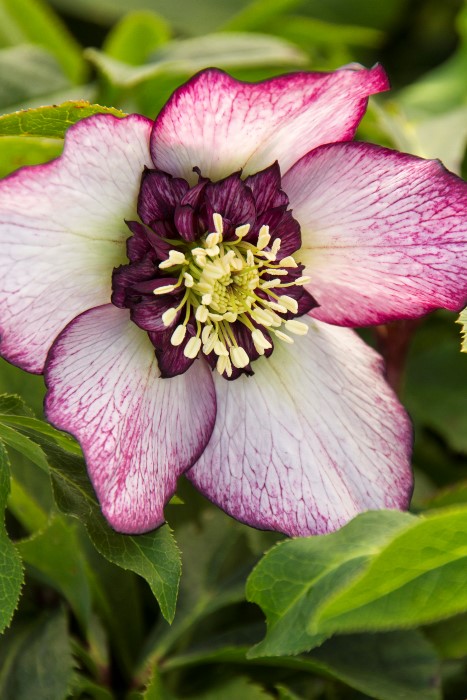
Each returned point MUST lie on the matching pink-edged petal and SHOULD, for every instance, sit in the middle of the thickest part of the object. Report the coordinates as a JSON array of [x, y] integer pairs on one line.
[[313, 438], [384, 234], [138, 432], [62, 231], [222, 125]]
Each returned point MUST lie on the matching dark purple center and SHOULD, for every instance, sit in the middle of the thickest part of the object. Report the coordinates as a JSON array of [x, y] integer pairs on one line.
[[211, 270]]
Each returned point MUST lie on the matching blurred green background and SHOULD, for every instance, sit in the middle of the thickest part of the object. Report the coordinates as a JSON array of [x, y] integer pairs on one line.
[[132, 55]]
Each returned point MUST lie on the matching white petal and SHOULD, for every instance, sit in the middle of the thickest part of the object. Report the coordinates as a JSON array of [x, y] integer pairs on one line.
[[384, 234], [138, 432], [62, 231], [222, 125], [313, 438]]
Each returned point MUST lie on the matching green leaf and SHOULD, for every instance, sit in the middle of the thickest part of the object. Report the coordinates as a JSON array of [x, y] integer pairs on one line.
[[24, 446], [13, 404], [206, 586], [25, 507], [233, 690], [136, 35], [154, 556], [287, 694], [450, 496], [291, 582], [417, 578], [384, 666], [191, 55], [51, 122], [449, 637], [27, 72], [432, 393], [33, 425], [55, 554], [16, 151], [114, 589], [463, 321], [33, 21], [11, 571], [37, 662]]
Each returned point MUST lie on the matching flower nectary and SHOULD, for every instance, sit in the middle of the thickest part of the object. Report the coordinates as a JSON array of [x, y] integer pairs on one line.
[[212, 270]]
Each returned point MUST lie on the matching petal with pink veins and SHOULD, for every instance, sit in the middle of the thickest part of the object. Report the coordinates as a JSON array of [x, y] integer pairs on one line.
[[312, 439], [63, 231], [138, 432], [222, 125], [384, 234]]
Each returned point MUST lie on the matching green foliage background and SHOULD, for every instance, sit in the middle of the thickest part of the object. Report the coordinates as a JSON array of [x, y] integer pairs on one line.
[[375, 610]]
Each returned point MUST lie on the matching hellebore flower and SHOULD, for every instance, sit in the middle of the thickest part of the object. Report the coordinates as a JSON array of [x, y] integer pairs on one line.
[[245, 207]]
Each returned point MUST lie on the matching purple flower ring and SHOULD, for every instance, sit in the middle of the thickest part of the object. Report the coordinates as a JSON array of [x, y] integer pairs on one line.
[[185, 286]]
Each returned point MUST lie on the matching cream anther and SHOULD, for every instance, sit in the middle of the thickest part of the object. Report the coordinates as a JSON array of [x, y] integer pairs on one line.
[[275, 246], [189, 281], [270, 283], [213, 251], [263, 237], [289, 303], [212, 239], [220, 349], [193, 347], [260, 341], [178, 336], [168, 317], [277, 307], [176, 257], [288, 262], [263, 317], [296, 327], [218, 224], [239, 357], [302, 280], [206, 333], [165, 289], [201, 314], [208, 346], [241, 231], [206, 299], [224, 365], [283, 336]]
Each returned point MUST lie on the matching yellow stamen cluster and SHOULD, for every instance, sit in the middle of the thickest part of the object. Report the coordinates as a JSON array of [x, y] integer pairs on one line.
[[221, 280]]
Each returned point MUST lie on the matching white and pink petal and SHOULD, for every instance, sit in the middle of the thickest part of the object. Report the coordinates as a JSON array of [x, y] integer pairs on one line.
[[384, 234], [63, 231], [222, 125], [138, 432], [315, 437]]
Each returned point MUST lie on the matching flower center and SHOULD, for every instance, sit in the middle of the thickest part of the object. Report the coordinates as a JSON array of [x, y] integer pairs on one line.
[[212, 271], [227, 282]]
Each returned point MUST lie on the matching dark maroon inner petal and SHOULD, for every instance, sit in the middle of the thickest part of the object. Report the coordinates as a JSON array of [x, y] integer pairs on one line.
[[233, 200], [159, 195], [171, 359], [266, 189], [177, 217]]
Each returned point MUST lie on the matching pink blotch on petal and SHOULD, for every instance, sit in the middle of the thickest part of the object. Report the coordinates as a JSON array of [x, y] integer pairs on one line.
[[315, 437], [384, 234], [62, 232], [222, 125], [138, 432]]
